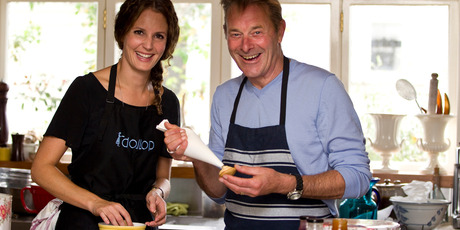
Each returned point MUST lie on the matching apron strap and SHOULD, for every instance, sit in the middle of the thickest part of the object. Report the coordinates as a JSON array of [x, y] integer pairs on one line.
[[283, 94], [284, 91], [110, 100], [237, 100]]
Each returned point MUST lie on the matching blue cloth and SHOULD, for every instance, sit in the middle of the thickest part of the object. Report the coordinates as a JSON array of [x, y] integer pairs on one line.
[[322, 127]]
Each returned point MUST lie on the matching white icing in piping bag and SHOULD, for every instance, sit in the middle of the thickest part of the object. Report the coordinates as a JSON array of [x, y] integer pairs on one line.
[[196, 149]]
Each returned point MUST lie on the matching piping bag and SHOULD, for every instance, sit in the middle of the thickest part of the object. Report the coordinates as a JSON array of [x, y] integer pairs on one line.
[[196, 149]]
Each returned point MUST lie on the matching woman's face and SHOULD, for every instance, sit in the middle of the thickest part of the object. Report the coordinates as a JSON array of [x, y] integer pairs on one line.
[[145, 42]]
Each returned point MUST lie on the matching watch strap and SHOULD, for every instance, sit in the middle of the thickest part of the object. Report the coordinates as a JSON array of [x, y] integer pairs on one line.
[[299, 182]]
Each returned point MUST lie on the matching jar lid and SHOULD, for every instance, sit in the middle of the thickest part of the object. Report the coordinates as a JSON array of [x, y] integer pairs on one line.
[[315, 220]]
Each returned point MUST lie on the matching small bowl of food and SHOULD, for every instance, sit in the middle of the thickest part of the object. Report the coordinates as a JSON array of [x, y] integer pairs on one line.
[[136, 226], [420, 215]]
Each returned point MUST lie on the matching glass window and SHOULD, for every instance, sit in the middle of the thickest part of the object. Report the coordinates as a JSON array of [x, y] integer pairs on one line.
[[391, 42], [48, 45], [189, 73]]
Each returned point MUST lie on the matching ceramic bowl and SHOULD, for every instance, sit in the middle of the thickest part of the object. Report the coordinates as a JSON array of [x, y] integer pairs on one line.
[[136, 226], [426, 215]]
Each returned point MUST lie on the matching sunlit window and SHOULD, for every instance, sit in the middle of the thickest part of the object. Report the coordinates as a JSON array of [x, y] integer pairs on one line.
[[388, 43], [48, 45]]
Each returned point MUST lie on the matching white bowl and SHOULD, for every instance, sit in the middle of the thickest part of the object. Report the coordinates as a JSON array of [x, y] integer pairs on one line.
[[425, 215]]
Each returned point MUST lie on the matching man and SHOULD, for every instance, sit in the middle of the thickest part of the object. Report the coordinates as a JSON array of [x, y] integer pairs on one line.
[[279, 120]]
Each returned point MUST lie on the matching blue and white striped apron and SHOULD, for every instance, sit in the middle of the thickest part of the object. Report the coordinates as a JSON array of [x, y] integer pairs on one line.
[[265, 147]]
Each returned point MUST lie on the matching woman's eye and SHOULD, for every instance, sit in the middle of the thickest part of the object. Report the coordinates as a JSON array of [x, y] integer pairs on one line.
[[160, 36], [138, 32]]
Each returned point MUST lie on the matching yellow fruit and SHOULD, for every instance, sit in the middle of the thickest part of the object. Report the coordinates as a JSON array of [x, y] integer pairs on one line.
[[439, 103], [446, 105]]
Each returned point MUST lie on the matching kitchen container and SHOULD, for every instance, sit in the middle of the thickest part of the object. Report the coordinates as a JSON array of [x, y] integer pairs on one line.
[[12, 180], [5, 211], [136, 226], [420, 215], [40, 198]]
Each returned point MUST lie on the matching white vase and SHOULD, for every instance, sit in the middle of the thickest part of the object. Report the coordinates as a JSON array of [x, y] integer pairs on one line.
[[386, 127], [433, 142]]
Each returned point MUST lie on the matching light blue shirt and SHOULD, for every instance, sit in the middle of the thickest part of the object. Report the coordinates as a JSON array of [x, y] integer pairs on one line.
[[322, 128]]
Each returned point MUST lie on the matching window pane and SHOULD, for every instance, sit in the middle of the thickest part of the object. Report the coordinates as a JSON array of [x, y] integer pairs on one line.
[[307, 35], [48, 45], [388, 43], [189, 73]]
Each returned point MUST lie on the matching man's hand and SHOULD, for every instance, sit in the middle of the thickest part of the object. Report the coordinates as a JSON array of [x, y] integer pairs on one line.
[[264, 181]]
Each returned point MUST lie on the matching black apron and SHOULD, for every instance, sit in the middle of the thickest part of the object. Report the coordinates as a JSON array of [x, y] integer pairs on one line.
[[121, 164], [265, 147]]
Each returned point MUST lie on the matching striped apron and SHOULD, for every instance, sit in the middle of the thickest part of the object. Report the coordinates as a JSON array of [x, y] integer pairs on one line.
[[265, 147]]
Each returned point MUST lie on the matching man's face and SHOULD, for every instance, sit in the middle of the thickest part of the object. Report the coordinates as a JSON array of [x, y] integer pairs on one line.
[[253, 42]]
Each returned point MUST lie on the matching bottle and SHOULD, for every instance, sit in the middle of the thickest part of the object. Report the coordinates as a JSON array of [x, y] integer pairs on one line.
[[17, 153], [303, 223], [433, 94], [3, 121], [339, 224], [315, 223], [361, 208], [436, 192]]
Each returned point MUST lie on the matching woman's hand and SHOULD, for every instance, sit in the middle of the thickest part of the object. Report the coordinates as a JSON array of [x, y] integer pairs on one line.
[[157, 206], [112, 213], [176, 142]]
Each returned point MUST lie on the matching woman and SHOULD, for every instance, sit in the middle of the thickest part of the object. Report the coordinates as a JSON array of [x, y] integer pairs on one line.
[[120, 169]]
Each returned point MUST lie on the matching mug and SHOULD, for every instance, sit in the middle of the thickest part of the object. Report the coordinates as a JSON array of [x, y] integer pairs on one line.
[[5, 153], [6, 201], [40, 198]]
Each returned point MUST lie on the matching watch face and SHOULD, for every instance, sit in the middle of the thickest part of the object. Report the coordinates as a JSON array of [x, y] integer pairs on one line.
[[295, 195]]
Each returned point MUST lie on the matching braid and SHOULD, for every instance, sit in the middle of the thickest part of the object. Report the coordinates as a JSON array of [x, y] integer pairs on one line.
[[156, 77]]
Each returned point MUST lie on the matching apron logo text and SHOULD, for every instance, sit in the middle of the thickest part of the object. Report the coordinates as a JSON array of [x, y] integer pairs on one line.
[[129, 143]]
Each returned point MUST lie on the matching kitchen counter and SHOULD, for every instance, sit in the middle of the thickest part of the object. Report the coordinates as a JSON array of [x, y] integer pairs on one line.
[[193, 222]]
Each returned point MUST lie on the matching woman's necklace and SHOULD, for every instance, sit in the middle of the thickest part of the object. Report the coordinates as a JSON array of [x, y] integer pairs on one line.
[[149, 89]]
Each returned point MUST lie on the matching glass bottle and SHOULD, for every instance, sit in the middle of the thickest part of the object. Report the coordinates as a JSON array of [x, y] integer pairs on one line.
[[315, 224], [436, 192], [339, 224], [303, 223], [361, 208]]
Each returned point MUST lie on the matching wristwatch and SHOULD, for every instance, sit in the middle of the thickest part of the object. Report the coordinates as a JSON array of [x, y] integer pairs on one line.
[[297, 193]]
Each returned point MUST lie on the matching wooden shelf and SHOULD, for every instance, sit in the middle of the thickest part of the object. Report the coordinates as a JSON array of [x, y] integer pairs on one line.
[[177, 172], [446, 181]]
